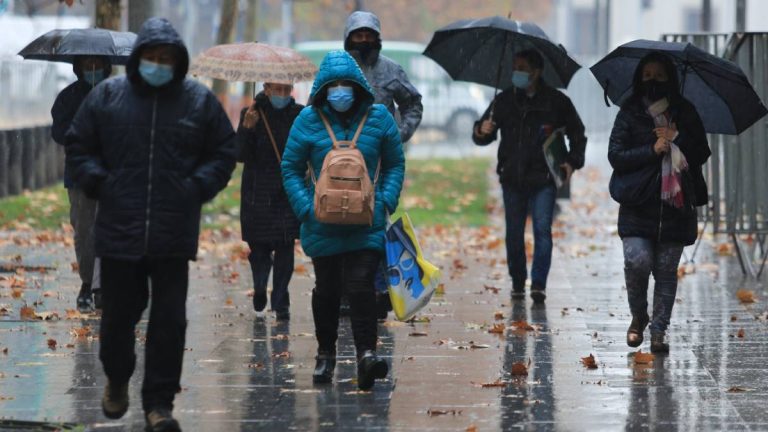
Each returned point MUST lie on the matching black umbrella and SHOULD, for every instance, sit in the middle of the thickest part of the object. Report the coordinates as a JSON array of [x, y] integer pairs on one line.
[[481, 51], [718, 88], [66, 45]]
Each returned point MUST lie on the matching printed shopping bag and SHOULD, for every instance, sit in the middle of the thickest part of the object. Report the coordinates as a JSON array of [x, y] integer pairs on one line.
[[412, 279]]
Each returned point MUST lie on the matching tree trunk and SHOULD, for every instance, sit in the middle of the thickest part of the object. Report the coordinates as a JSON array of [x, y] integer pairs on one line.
[[108, 14], [251, 35], [138, 12], [225, 35]]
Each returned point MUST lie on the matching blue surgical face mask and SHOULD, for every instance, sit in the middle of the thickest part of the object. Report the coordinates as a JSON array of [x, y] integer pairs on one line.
[[155, 74], [341, 98], [521, 79], [279, 102], [94, 76]]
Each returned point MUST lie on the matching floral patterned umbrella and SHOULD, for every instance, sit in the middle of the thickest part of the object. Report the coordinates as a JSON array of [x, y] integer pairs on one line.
[[254, 62]]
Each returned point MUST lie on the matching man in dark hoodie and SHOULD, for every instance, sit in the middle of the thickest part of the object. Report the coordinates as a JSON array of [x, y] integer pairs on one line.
[[266, 217], [151, 147], [82, 212], [393, 89]]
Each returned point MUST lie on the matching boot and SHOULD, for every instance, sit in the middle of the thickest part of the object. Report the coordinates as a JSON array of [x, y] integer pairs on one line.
[[85, 299], [259, 300], [370, 368], [657, 343], [114, 403], [538, 294], [161, 420], [324, 367], [636, 329]]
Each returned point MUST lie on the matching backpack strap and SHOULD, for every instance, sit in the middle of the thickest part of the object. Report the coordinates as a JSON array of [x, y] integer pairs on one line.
[[271, 137], [360, 128], [328, 128]]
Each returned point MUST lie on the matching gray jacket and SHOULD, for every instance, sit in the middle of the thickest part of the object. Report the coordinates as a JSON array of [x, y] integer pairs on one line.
[[390, 84]]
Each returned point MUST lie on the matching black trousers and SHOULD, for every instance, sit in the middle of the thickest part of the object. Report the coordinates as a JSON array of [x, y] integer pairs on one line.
[[352, 274], [125, 295], [278, 258]]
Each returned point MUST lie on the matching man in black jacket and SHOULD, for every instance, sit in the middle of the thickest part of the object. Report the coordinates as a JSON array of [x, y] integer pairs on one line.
[[527, 114], [151, 147], [90, 70]]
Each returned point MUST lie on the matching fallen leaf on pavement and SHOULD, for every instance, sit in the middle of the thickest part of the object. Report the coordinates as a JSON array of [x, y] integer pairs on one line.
[[17, 292], [519, 369], [523, 325], [75, 266], [52, 344], [301, 269], [499, 315], [497, 383], [644, 358], [498, 328], [740, 333], [284, 354], [440, 289], [734, 318], [471, 428], [81, 331], [589, 362], [433, 412], [725, 249], [745, 296], [73, 314], [229, 302], [417, 333], [492, 289], [27, 313], [737, 389]]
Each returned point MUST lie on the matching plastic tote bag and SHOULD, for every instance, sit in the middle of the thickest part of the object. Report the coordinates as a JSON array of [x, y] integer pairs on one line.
[[412, 279]]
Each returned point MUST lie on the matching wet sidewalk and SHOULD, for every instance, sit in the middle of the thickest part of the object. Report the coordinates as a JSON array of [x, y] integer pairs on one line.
[[475, 361]]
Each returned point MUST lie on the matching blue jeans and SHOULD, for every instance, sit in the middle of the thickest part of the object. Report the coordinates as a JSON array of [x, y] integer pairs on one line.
[[641, 258], [517, 204]]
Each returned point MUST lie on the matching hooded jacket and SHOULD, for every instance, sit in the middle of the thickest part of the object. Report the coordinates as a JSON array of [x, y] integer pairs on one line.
[[66, 105], [390, 84], [309, 141], [151, 156], [631, 148], [265, 214], [523, 122]]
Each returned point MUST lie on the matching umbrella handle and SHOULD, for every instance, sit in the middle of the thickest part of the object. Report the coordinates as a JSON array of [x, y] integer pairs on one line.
[[605, 93]]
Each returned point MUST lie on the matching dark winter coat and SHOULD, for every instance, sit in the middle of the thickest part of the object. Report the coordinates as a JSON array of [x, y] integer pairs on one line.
[[522, 121], [631, 148], [151, 156], [65, 107], [265, 213]]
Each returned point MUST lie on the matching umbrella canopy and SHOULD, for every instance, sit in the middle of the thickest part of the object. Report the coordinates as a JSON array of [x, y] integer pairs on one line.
[[254, 62], [726, 101], [66, 45], [482, 51]]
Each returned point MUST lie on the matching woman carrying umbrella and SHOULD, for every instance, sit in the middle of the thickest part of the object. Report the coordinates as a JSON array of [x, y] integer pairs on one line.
[[266, 217], [658, 144]]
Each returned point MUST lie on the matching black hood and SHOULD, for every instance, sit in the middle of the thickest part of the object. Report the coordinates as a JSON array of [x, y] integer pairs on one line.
[[157, 31], [79, 71]]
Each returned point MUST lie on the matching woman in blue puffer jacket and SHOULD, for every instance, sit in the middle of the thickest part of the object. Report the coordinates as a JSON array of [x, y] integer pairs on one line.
[[345, 257]]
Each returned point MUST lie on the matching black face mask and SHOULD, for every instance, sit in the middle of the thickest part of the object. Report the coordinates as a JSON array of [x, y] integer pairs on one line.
[[655, 90], [366, 52]]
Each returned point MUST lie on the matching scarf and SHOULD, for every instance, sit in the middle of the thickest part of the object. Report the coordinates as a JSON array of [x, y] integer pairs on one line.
[[674, 162]]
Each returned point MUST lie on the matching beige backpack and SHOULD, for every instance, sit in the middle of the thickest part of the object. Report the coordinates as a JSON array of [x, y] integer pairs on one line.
[[344, 194]]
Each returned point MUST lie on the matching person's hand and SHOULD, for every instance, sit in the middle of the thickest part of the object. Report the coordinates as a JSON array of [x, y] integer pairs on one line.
[[661, 146], [568, 171], [487, 127], [251, 117], [669, 133]]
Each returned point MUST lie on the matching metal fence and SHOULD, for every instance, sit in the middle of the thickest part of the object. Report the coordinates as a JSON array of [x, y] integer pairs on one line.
[[737, 171]]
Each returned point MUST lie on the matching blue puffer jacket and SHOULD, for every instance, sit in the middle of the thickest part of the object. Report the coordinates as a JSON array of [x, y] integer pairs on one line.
[[309, 142]]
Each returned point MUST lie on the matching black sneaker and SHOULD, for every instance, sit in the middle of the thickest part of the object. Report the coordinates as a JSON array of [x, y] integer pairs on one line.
[[538, 294], [114, 403], [85, 299], [370, 368], [259, 300], [324, 367], [97, 299], [161, 420]]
